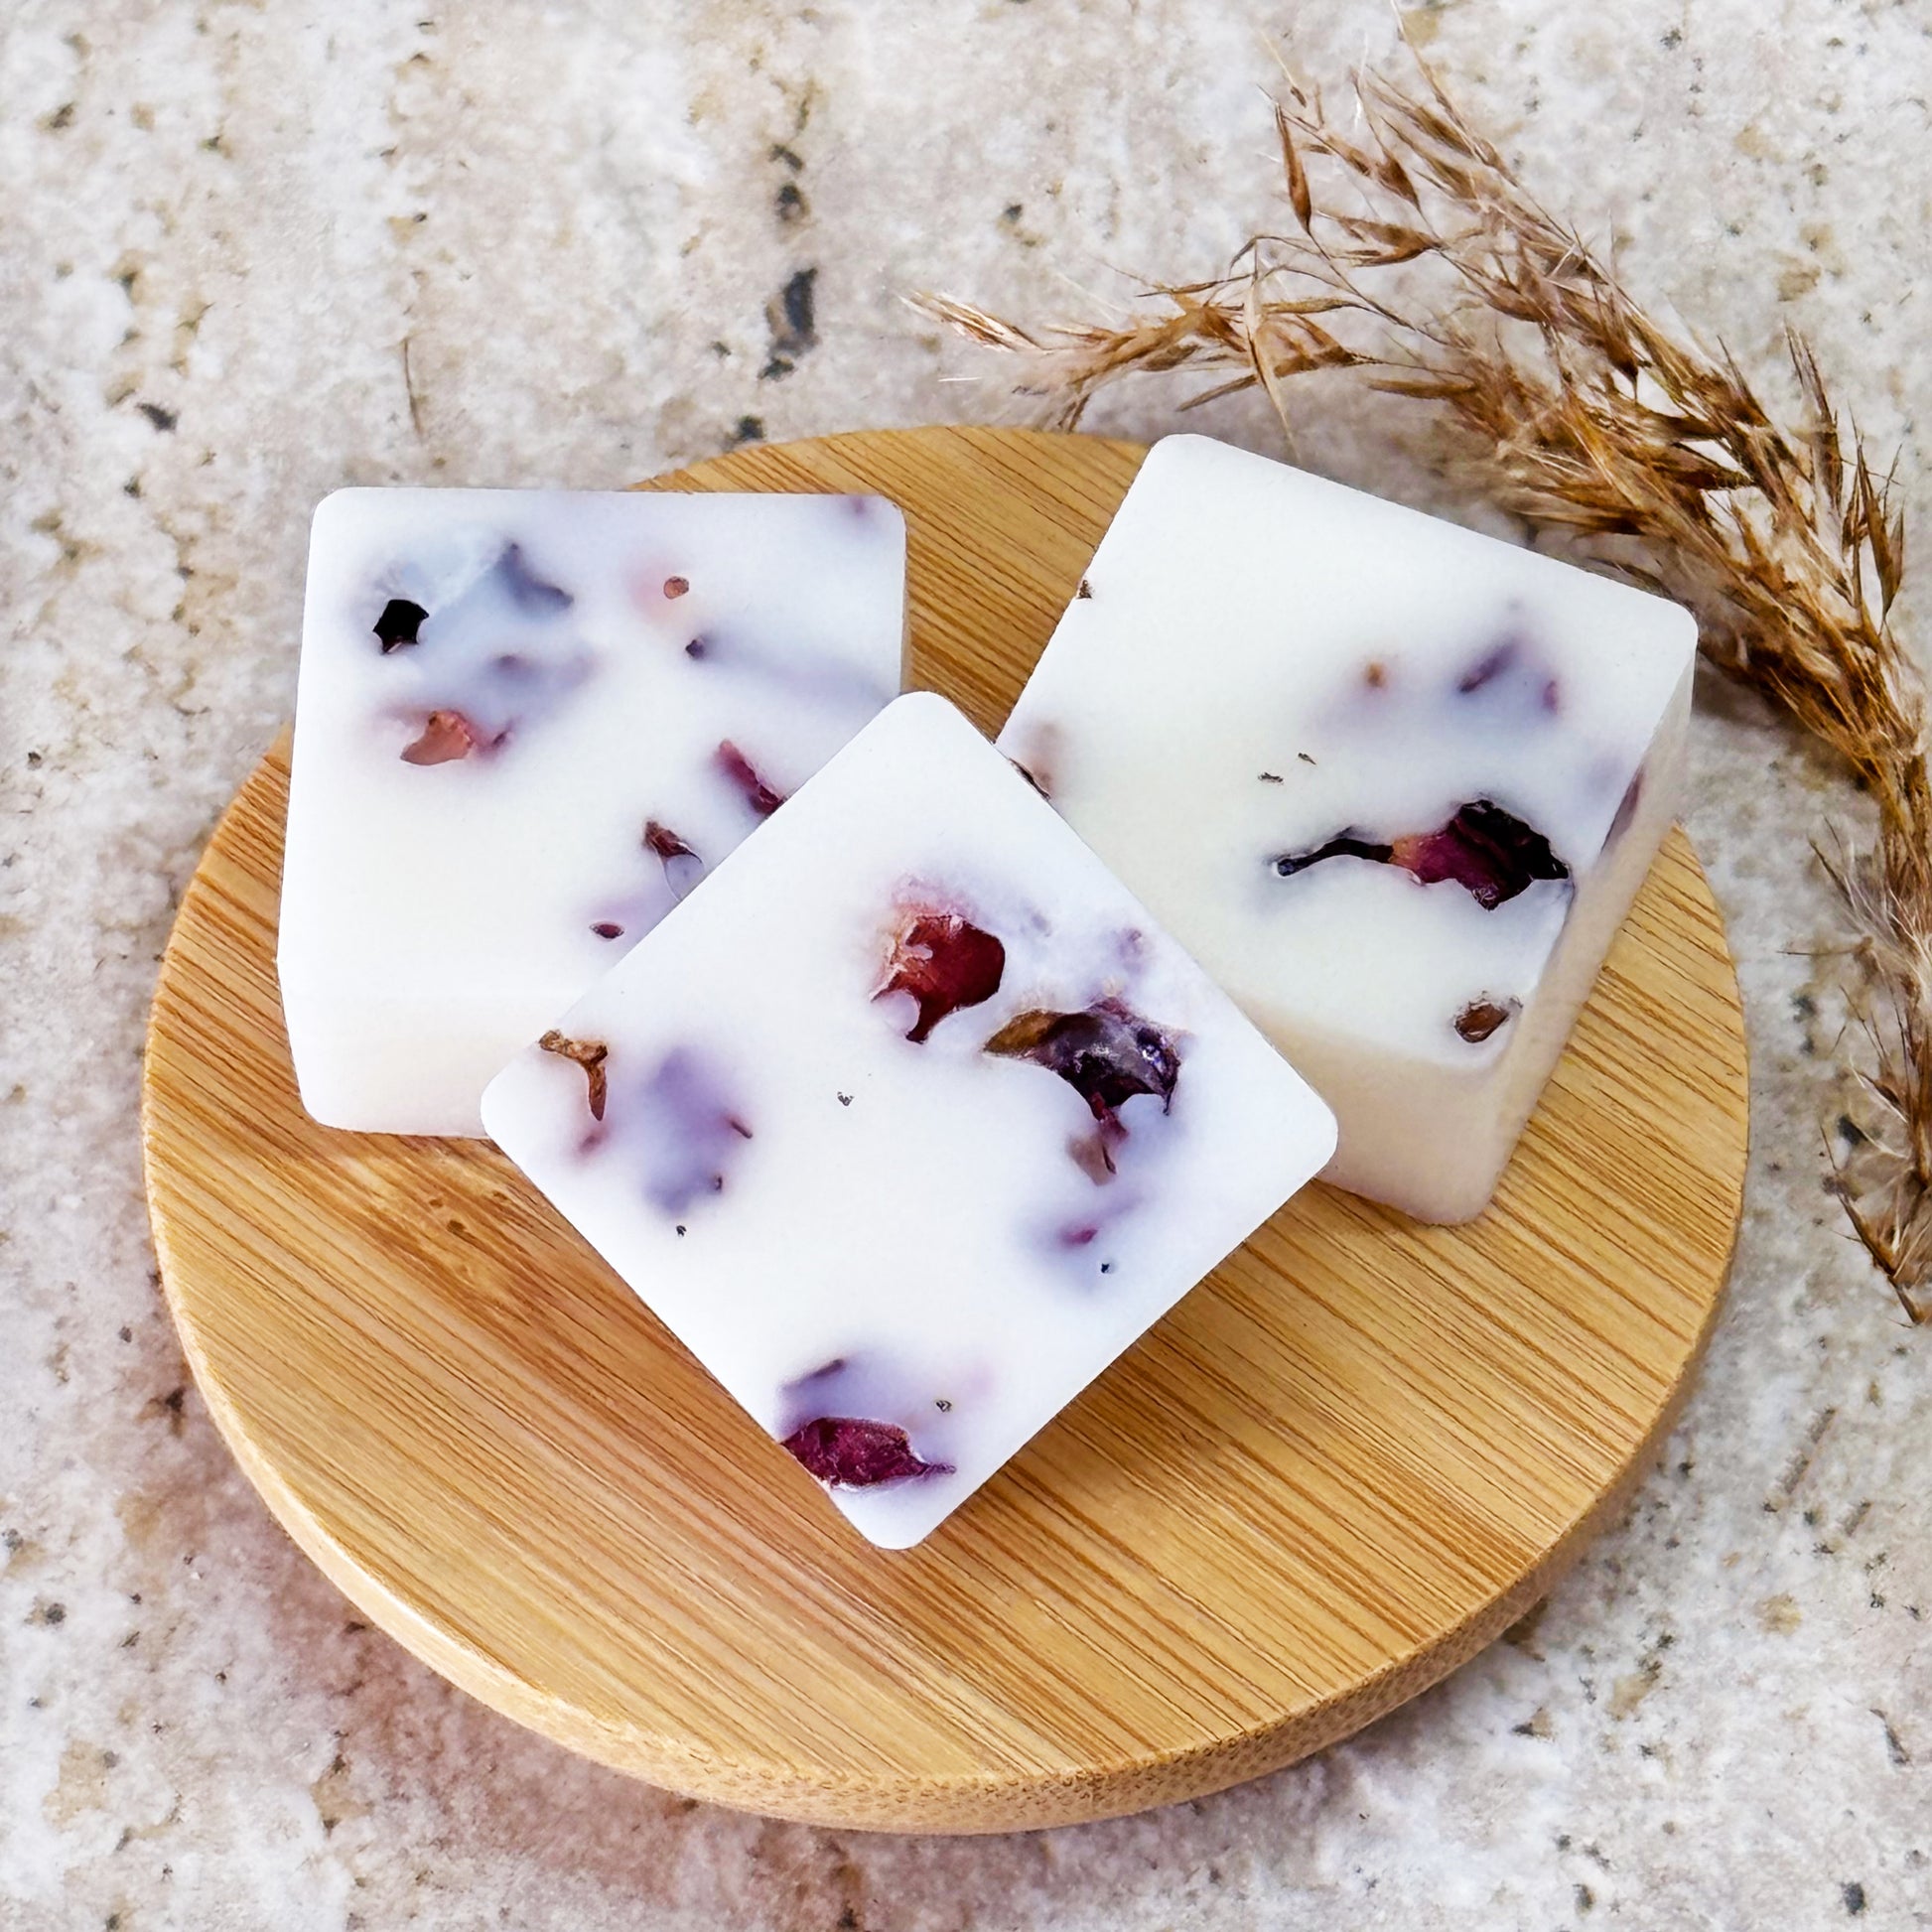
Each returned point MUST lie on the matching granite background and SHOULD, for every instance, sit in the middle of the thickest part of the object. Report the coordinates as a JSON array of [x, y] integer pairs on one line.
[[249, 252]]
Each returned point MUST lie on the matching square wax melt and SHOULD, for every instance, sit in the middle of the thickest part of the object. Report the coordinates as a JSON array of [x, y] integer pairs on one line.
[[910, 1121], [527, 722], [1394, 784]]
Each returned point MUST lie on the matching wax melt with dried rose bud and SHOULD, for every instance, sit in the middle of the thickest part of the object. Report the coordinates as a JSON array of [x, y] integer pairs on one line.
[[527, 724], [1393, 783], [909, 1122]]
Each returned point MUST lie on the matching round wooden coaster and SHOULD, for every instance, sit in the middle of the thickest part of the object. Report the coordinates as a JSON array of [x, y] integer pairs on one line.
[[1341, 1466]]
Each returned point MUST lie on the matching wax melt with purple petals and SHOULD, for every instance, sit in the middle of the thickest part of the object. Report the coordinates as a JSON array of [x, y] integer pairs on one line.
[[527, 724], [909, 1122], [1393, 783]]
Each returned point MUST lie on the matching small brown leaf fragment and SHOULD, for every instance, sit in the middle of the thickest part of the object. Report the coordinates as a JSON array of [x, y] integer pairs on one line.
[[676, 586], [1086, 590], [1269, 778], [1375, 674], [1483, 1017], [590, 1054], [446, 735]]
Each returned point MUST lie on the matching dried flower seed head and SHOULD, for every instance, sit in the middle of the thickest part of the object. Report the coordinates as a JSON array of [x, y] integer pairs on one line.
[[1107, 1055], [590, 1054], [1435, 275], [851, 1453], [1482, 1018], [399, 625], [945, 963], [446, 735], [736, 767]]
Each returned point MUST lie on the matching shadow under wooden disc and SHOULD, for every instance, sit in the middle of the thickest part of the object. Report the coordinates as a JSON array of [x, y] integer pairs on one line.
[[1335, 1471]]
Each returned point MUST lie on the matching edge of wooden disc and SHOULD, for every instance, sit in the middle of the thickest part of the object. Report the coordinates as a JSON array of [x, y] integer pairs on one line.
[[1002, 521]]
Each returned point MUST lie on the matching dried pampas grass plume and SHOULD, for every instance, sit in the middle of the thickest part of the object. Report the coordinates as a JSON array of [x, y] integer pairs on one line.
[[1644, 451]]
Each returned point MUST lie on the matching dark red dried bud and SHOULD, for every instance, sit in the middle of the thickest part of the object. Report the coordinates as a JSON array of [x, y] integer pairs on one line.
[[399, 624], [446, 735], [676, 586], [1480, 1019], [607, 929], [1106, 1055], [1488, 850], [738, 770], [590, 1054], [945, 963], [850, 1452]]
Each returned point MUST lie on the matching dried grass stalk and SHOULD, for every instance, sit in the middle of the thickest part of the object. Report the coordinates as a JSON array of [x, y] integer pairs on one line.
[[1643, 452]]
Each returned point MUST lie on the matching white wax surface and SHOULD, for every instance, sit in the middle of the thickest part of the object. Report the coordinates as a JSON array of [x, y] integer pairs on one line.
[[915, 1211], [1264, 661], [434, 917]]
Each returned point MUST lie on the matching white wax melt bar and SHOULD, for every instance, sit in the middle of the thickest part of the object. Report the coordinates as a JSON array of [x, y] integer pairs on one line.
[[1392, 783], [910, 1121], [527, 723]]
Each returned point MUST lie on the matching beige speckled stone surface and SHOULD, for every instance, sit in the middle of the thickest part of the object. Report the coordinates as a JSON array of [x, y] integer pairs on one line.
[[246, 257]]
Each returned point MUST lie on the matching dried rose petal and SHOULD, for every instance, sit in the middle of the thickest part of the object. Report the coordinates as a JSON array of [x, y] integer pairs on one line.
[[1107, 1055], [682, 867], [399, 624], [945, 963], [590, 1054], [738, 770], [446, 735], [851, 1453], [1483, 1017], [1487, 850], [1484, 849]]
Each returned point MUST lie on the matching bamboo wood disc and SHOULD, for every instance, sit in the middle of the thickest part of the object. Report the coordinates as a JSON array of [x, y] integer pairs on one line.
[[1334, 1472]]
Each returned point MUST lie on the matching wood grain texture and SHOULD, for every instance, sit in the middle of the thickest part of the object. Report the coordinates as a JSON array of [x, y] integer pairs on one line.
[[1335, 1471]]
